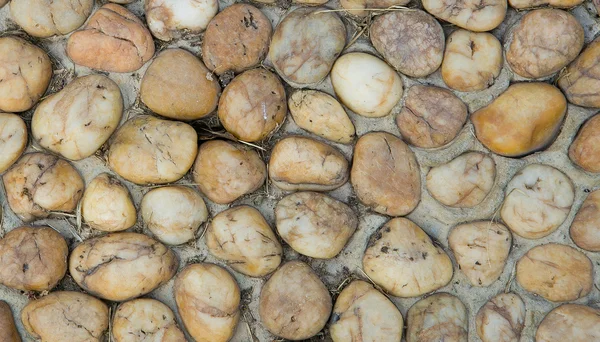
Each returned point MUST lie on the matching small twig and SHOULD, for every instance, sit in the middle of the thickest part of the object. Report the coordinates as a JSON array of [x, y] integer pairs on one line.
[[2, 231], [510, 280], [249, 329], [373, 283], [62, 213], [388, 9], [174, 184], [78, 216], [72, 230]]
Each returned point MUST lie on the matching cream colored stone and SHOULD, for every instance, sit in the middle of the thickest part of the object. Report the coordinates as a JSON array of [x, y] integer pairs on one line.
[[168, 19], [40, 183], [401, 258], [145, 320], [364, 314], [121, 266], [148, 150], [107, 205], [79, 119], [300, 163], [314, 224], [13, 139], [472, 61], [366, 84], [463, 182], [25, 71], [321, 114], [208, 301], [173, 213], [46, 18], [473, 15], [556, 272], [481, 249], [538, 200], [570, 322], [439, 317], [501, 319], [66, 316], [242, 238]]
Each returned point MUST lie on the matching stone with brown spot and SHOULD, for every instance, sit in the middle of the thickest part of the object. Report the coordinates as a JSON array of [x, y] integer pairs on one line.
[[32, 258], [40, 183], [236, 39], [401, 258]]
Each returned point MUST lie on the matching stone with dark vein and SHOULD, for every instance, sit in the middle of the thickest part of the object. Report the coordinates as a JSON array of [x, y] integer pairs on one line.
[[501, 319], [431, 116], [543, 42], [66, 316], [113, 40]]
